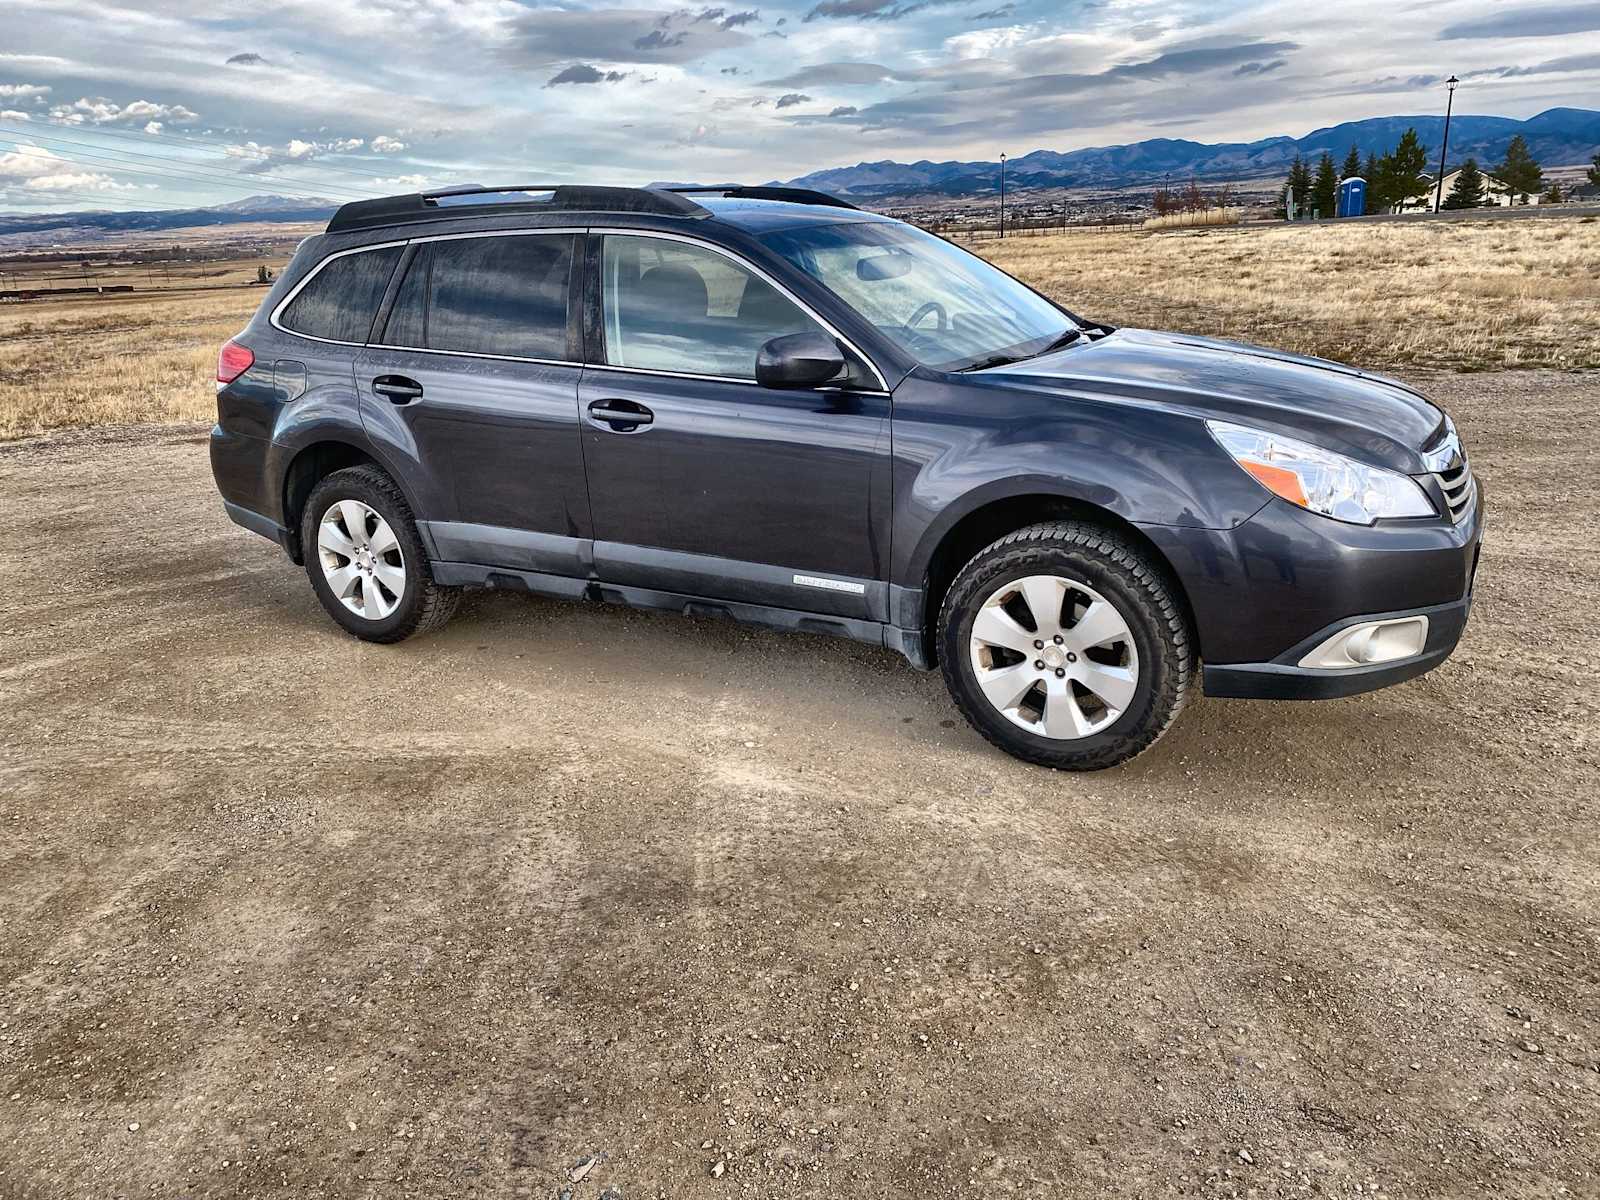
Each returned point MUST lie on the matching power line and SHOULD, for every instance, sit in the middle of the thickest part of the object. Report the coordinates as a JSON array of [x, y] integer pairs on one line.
[[217, 143], [175, 168], [94, 197]]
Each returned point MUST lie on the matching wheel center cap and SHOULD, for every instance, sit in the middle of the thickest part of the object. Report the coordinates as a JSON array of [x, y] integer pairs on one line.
[[1054, 656]]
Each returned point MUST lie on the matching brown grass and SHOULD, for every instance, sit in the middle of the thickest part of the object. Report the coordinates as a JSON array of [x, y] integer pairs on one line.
[[1466, 295], [1462, 295], [115, 359]]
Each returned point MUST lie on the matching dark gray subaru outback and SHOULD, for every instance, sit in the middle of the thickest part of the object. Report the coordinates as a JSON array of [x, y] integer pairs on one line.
[[764, 403]]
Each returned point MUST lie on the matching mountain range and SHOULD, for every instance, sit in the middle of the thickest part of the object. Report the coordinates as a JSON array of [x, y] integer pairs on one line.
[[1556, 137]]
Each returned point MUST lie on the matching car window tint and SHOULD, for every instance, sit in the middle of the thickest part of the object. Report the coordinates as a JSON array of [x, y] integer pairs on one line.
[[407, 324], [671, 306], [501, 295], [342, 298]]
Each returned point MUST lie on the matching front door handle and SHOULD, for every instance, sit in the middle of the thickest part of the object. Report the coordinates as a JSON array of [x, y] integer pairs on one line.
[[398, 388], [621, 415]]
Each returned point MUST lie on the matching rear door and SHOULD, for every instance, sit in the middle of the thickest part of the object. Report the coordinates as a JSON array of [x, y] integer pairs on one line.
[[474, 374], [701, 480]]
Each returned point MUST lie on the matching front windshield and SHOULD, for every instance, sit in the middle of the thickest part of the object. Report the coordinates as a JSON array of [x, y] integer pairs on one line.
[[948, 309]]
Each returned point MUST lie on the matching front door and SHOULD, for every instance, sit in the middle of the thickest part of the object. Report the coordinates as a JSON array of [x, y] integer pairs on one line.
[[700, 480], [475, 374]]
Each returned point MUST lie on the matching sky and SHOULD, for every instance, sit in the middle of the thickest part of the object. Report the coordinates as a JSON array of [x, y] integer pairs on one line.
[[169, 103]]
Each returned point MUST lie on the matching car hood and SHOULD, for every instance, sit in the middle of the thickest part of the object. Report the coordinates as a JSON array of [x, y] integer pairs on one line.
[[1369, 417]]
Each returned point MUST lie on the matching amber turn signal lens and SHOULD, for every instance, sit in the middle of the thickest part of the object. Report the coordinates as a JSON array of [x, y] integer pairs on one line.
[[1278, 481]]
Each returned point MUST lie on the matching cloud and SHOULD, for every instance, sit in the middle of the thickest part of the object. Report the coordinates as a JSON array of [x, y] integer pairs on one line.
[[872, 10], [413, 183], [1553, 20], [33, 168], [834, 74], [994, 14], [845, 110], [791, 99], [985, 95], [1259, 68], [584, 73], [100, 111], [12, 114], [547, 37], [22, 91], [1553, 66], [258, 158], [248, 59]]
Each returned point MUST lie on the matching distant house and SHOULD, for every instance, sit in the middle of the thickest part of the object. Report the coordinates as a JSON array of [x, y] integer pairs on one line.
[[1495, 194]]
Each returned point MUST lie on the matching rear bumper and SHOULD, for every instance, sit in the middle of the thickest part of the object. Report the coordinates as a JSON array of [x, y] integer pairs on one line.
[[253, 521], [1282, 679]]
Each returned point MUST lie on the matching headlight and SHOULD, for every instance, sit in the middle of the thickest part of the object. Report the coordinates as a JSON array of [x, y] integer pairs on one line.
[[1319, 479]]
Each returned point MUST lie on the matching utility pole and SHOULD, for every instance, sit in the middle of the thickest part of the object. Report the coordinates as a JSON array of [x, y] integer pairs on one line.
[[1002, 193], [1438, 190]]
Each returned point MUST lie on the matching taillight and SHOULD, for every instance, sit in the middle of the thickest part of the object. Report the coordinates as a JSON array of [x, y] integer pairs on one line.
[[234, 361]]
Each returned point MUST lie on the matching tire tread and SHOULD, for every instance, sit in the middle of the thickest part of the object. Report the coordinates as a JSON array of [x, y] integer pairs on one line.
[[1034, 545]]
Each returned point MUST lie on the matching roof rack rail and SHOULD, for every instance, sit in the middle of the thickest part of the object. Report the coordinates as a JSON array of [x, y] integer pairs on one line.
[[791, 195], [565, 197]]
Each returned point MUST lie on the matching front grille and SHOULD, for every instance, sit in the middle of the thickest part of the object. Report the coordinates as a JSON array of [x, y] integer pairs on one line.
[[1456, 483]]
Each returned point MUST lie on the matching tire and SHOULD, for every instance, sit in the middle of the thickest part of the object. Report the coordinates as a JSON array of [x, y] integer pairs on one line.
[[389, 581], [1072, 703]]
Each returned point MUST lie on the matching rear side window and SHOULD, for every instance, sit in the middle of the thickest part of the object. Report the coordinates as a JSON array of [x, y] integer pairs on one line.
[[340, 301], [505, 296]]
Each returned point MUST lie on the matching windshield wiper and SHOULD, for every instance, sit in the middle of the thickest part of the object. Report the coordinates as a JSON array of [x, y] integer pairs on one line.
[[1072, 334], [1001, 360]]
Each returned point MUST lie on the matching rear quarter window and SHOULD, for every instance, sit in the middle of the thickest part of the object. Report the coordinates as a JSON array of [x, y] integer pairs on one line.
[[339, 302]]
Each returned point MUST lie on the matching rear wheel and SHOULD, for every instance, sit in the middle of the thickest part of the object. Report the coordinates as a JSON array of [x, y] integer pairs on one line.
[[365, 559], [1064, 646]]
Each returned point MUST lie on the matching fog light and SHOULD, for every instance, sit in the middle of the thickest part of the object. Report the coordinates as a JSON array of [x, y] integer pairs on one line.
[[1370, 642]]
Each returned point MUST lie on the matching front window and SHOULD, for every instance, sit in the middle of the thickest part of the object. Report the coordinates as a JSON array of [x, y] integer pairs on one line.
[[947, 308], [672, 306]]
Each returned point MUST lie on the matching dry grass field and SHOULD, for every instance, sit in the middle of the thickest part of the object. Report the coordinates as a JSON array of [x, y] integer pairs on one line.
[[1459, 295]]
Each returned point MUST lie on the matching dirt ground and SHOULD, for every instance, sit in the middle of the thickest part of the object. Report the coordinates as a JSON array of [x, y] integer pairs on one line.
[[751, 914]]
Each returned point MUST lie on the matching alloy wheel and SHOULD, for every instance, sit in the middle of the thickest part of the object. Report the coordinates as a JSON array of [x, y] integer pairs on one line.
[[361, 559], [1054, 656]]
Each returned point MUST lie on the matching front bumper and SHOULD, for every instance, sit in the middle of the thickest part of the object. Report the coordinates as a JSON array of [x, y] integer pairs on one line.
[[1267, 592], [1283, 679]]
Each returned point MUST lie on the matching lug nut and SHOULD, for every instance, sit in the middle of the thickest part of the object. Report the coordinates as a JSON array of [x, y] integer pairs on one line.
[[1058, 639], [1038, 645], [1038, 665], [1060, 674], [1071, 657]]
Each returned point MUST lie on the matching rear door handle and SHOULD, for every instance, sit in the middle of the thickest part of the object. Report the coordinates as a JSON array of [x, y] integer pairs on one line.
[[621, 415], [398, 388]]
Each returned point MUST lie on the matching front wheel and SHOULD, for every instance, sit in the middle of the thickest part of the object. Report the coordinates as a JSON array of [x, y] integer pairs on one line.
[[365, 558], [1064, 646]]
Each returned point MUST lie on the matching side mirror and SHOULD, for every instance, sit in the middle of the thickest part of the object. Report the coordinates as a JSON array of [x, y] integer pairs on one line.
[[799, 360]]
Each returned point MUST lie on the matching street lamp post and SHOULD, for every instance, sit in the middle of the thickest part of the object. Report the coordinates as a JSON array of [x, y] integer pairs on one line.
[[1444, 148], [1002, 193]]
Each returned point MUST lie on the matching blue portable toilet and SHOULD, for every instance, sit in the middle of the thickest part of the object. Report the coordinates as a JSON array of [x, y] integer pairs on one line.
[[1353, 197]]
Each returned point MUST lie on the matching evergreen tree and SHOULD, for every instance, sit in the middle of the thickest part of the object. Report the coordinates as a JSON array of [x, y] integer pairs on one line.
[[1467, 191], [1299, 186], [1373, 174], [1553, 196], [1407, 168], [1594, 172], [1352, 165], [1325, 188], [1519, 172]]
